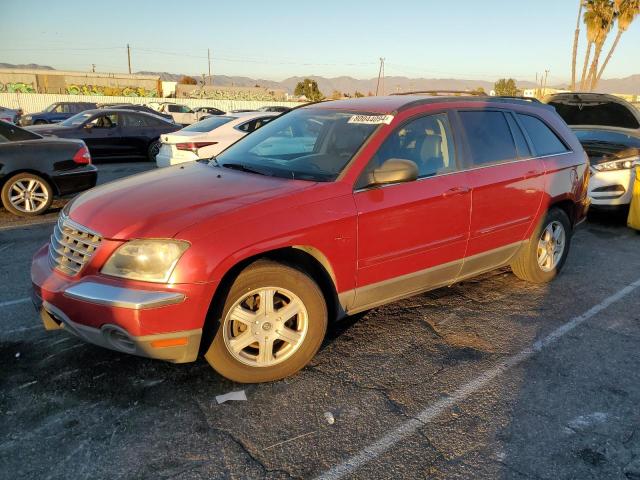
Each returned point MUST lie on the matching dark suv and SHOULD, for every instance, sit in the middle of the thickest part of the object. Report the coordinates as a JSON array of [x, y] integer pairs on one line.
[[55, 113], [328, 210]]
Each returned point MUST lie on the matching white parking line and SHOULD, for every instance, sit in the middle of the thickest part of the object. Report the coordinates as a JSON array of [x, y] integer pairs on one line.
[[8, 303], [410, 427]]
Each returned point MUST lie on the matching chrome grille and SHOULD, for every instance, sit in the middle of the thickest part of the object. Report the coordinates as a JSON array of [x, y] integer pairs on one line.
[[72, 246]]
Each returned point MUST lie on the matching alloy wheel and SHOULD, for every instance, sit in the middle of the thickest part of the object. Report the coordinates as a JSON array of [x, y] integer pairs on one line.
[[28, 195], [551, 246], [265, 327]]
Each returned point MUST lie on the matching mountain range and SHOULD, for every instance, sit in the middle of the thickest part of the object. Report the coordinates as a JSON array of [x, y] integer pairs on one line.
[[628, 85]]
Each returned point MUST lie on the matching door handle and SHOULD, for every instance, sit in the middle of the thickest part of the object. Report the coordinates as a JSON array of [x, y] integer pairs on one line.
[[455, 191]]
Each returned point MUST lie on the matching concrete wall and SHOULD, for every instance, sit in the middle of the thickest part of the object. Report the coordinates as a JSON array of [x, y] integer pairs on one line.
[[36, 102]]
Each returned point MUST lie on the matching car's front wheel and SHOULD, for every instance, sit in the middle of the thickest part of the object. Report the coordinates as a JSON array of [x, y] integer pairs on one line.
[[272, 324], [26, 194], [543, 257]]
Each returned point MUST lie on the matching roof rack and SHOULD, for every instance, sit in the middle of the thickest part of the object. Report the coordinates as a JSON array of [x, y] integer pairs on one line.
[[435, 93]]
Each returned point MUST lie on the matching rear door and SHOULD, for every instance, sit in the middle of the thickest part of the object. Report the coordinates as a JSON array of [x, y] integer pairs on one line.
[[413, 235], [507, 185], [137, 131]]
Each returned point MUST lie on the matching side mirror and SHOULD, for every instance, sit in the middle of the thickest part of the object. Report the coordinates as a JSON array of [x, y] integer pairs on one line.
[[394, 170], [88, 126]]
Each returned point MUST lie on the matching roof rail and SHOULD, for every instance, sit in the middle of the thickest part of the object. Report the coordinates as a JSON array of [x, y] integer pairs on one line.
[[518, 97], [435, 93]]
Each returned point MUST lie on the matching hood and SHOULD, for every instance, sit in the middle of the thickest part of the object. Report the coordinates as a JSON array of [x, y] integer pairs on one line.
[[48, 129], [162, 202], [606, 144]]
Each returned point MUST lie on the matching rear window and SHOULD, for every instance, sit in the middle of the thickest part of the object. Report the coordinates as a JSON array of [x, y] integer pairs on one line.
[[207, 124], [11, 133], [610, 114], [488, 136], [545, 141]]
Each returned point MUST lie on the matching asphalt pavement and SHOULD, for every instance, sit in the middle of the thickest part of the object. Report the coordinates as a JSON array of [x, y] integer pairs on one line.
[[491, 378]]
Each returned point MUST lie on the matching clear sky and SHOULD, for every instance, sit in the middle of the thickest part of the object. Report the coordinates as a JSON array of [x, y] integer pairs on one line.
[[273, 40]]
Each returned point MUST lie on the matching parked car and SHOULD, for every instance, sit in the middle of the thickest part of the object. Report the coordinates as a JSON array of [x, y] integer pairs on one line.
[[276, 108], [137, 108], [55, 113], [114, 134], [10, 115], [181, 114], [33, 169], [247, 258], [208, 137], [609, 129], [203, 112]]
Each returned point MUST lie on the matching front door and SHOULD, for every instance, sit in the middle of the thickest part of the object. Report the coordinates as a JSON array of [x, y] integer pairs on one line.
[[412, 236], [101, 135]]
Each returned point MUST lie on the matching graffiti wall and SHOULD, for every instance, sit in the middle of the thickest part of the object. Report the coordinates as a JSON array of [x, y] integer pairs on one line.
[[100, 90], [17, 87]]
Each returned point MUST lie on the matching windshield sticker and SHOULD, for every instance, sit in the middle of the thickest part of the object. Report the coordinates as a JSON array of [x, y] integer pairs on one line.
[[371, 119]]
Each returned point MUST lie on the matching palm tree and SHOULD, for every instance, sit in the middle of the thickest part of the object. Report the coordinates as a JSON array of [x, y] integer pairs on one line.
[[606, 13], [575, 47], [626, 13], [593, 23]]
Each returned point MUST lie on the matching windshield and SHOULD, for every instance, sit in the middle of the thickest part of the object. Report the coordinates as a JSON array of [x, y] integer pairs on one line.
[[604, 113], [76, 120], [207, 124], [51, 107], [307, 144]]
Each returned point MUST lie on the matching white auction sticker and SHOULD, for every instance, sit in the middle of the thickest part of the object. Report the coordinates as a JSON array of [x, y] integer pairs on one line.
[[371, 119]]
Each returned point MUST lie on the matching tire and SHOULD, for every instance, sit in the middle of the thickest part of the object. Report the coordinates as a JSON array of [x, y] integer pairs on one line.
[[306, 328], [16, 188], [40, 122], [531, 264], [152, 151]]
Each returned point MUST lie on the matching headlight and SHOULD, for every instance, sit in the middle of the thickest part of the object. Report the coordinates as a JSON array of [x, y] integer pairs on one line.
[[146, 260], [622, 164]]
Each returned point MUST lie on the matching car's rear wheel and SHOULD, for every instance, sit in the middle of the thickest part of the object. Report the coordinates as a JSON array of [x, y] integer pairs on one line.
[[543, 257], [27, 195], [272, 324], [152, 151]]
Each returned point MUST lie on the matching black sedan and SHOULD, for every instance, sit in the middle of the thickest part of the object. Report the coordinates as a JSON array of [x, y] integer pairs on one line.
[[113, 133], [34, 169], [137, 108]]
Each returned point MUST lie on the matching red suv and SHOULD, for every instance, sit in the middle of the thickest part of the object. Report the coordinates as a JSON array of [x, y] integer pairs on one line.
[[331, 209]]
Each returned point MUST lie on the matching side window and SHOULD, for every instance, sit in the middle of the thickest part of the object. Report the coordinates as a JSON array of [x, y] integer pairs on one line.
[[133, 120], [545, 141], [105, 121], [60, 108], [488, 136], [427, 141], [518, 136]]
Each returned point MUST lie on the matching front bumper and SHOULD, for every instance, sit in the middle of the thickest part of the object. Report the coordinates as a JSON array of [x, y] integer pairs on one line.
[[163, 322], [612, 188]]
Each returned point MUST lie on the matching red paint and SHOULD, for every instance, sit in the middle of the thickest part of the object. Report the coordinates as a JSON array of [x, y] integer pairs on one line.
[[363, 237]]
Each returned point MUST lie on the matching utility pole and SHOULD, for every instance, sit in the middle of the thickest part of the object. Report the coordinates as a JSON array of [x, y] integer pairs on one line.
[[93, 68], [380, 75], [209, 60], [544, 86], [129, 57]]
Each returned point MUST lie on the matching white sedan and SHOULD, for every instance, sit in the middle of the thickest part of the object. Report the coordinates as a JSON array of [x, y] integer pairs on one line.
[[208, 137]]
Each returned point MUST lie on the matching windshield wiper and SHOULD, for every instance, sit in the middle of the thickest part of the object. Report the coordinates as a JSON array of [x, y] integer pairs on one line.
[[242, 168]]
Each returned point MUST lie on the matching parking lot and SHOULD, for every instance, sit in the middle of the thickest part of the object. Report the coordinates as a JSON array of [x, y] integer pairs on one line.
[[491, 378]]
